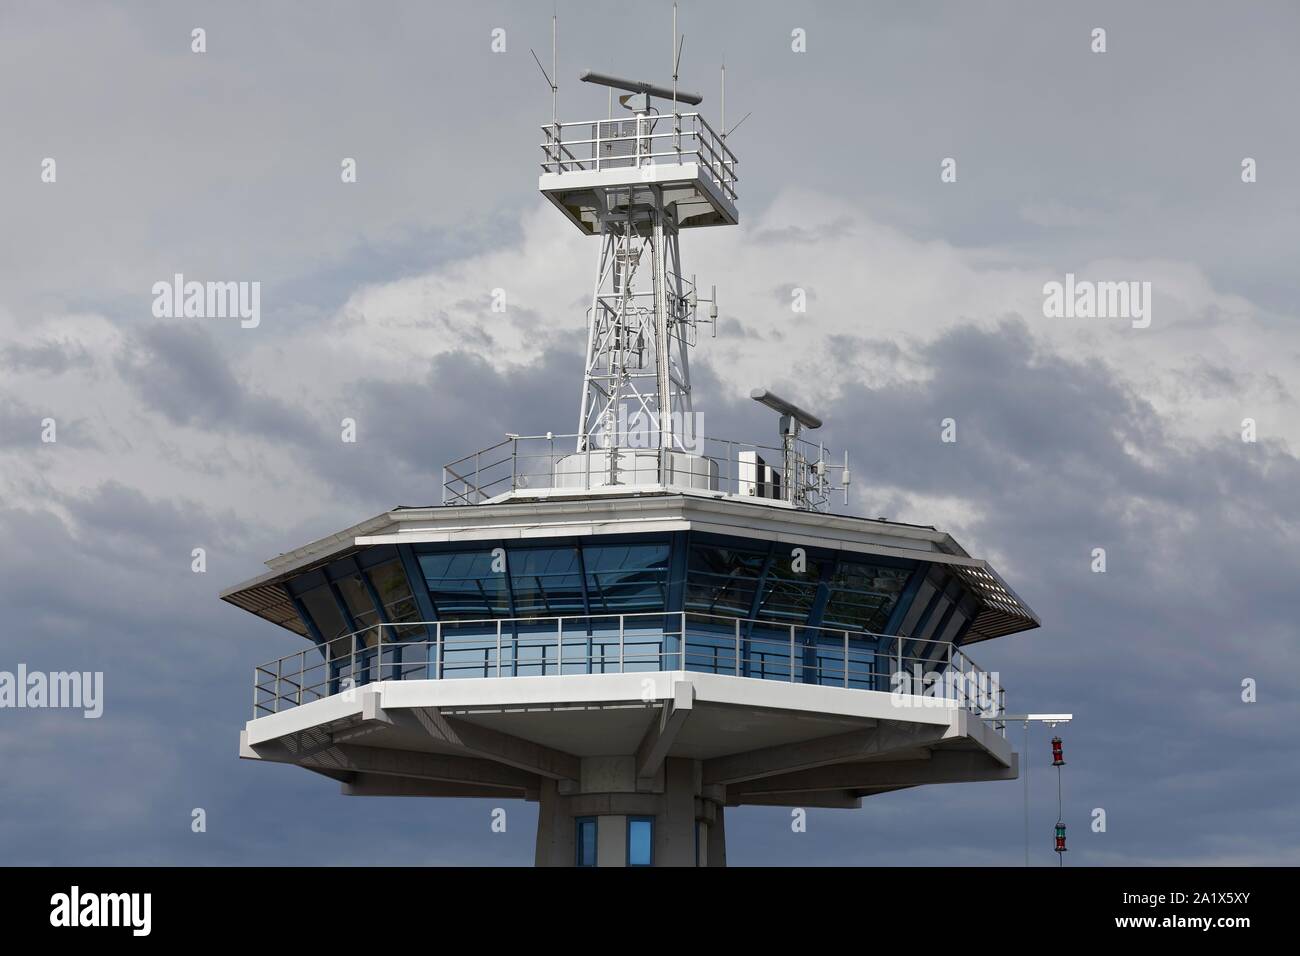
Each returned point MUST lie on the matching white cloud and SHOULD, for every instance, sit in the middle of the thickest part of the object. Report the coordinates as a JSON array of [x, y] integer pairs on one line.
[[864, 279]]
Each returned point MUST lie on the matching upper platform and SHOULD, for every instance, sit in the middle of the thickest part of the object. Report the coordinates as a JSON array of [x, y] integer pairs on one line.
[[596, 168]]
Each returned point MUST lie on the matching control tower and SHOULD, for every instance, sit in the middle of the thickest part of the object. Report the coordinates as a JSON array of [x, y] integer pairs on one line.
[[636, 626]]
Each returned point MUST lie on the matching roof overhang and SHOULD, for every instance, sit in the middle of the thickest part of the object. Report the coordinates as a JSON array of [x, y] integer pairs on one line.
[[1003, 611]]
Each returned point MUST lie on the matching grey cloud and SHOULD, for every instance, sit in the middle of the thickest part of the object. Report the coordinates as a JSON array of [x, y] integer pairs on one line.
[[21, 427], [179, 372], [49, 357]]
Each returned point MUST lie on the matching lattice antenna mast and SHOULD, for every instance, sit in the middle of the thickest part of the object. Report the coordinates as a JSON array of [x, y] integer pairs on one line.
[[636, 182], [643, 314]]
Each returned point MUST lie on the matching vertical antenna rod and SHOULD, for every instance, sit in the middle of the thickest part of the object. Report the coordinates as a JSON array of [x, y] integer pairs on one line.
[[722, 101]]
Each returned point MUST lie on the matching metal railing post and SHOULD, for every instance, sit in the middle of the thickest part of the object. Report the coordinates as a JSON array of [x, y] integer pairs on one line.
[[559, 647], [792, 653], [498, 648], [846, 658], [737, 647], [621, 665], [682, 638], [437, 653]]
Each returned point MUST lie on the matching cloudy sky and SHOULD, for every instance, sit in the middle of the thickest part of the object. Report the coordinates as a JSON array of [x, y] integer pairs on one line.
[[925, 301]]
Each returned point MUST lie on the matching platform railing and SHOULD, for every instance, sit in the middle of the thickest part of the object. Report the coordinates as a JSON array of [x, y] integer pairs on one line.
[[643, 642], [537, 462], [631, 141]]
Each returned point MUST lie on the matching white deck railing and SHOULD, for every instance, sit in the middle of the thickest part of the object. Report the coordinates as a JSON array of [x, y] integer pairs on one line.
[[629, 643], [536, 462], [630, 142]]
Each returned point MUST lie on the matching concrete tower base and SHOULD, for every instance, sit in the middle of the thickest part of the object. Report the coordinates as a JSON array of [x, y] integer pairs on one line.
[[687, 815]]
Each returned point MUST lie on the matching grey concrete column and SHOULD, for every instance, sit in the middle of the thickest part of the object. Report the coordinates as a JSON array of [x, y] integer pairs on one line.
[[717, 841], [555, 846], [674, 799], [675, 825]]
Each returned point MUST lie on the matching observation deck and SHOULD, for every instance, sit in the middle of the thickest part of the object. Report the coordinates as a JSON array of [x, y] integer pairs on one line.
[[639, 643], [595, 168]]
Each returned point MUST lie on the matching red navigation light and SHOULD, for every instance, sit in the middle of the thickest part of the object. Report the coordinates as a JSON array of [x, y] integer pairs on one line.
[[1058, 758], [1060, 838]]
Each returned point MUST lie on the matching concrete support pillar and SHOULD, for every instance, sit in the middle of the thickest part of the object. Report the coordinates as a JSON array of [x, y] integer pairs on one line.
[[555, 832], [717, 854], [675, 826], [675, 802]]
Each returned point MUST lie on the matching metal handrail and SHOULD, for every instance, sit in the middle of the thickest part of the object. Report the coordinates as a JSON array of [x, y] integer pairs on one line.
[[641, 642], [652, 120], [701, 142], [533, 469]]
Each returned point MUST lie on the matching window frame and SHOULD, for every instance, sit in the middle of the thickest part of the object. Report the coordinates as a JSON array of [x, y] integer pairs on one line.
[[639, 819], [578, 824]]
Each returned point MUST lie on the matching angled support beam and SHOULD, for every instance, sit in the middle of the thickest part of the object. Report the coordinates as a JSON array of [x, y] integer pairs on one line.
[[663, 730], [470, 739], [332, 759], [378, 785], [854, 745], [944, 766], [344, 777], [501, 747], [824, 799], [439, 767]]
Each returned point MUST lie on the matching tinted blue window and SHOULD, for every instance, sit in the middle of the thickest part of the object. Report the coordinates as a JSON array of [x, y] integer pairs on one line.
[[546, 581], [389, 581], [463, 585], [586, 841], [626, 578], [324, 611], [863, 595], [789, 595], [640, 841], [723, 580]]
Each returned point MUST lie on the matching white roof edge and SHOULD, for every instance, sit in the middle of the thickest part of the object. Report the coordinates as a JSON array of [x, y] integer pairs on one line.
[[607, 514]]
